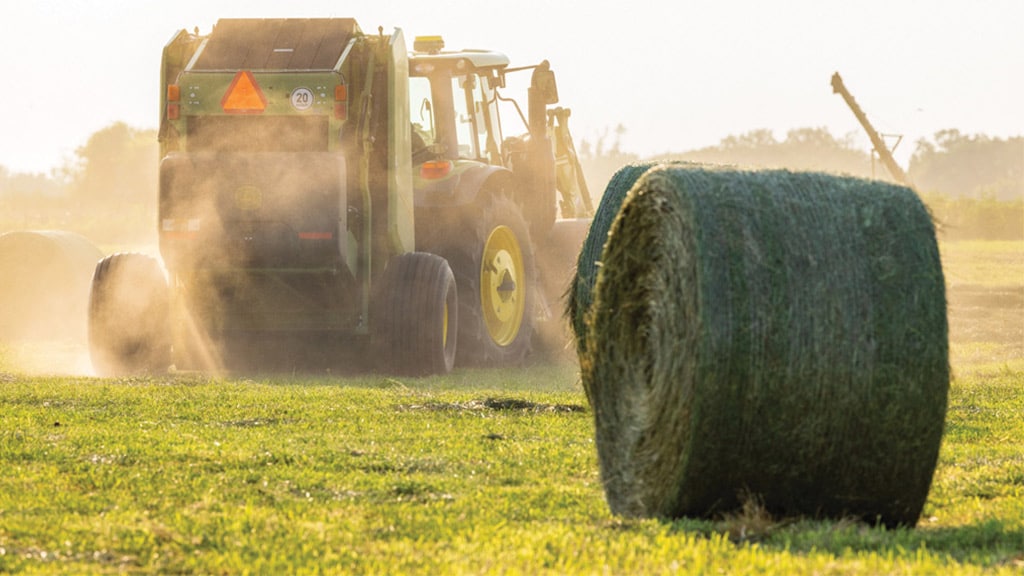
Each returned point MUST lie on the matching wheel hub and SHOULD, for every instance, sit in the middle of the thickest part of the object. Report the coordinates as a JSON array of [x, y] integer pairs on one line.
[[502, 296]]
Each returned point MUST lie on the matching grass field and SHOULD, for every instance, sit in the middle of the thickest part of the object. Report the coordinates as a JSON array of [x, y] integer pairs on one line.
[[479, 472]]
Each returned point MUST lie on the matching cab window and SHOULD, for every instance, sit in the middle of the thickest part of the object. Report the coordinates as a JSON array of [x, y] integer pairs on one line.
[[465, 120], [421, 112]]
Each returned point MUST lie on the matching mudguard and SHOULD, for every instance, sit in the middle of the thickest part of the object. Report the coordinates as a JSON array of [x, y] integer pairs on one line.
[[460, 188]]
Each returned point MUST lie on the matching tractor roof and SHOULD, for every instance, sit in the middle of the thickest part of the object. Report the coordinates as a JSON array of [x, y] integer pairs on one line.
[[476, 58], [276, 44]]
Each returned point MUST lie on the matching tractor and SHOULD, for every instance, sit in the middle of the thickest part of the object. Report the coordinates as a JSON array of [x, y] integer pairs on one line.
[[327, 194]]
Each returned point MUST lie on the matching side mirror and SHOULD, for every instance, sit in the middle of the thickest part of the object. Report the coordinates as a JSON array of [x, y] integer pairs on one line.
[[496, 80]]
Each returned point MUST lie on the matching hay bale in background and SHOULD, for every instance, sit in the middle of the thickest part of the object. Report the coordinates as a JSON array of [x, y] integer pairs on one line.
[[45, 279], [771, 333]]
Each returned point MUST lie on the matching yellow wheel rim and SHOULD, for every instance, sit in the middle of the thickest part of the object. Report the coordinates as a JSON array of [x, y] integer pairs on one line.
[[444, 326], [502, 286]]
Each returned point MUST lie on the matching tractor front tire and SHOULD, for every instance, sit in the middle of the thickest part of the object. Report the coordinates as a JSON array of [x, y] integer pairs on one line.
[[129, 316], [418, 310]]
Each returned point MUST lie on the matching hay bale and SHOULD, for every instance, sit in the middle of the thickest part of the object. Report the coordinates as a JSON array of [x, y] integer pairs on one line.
[[775, 334], [47, 276], [581, 289]]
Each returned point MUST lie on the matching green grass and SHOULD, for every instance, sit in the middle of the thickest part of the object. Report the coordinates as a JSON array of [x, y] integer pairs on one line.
[[985, 290], [385, 476], [992, 264], [478, 472]]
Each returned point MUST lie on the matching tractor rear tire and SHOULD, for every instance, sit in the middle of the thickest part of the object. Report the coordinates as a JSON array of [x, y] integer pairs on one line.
[[489, 249], [418, 310], [129, 316]]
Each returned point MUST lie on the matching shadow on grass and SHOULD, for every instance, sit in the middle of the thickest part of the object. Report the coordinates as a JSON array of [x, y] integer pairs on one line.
[[986, 543], [495, 404]]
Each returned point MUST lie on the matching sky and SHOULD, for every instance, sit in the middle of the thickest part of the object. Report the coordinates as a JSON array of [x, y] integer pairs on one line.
[[676, 74]]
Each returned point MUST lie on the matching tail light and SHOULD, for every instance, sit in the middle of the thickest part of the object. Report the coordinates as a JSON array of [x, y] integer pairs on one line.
[[173, 102]]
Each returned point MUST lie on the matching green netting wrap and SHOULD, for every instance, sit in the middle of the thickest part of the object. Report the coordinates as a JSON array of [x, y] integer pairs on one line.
[[773, 334], [580, 292]]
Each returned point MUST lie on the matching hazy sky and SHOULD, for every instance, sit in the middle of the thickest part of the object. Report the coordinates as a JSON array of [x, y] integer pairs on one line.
[[677, 74]]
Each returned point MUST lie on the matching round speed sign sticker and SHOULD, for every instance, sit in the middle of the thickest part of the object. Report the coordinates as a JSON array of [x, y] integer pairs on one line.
[[302, 98]]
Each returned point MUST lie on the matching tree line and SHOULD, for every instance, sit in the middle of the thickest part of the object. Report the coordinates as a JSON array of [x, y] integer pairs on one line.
[[974, 183], [107, 191]]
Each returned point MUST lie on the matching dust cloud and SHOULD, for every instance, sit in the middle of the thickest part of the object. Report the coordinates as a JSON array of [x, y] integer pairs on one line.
[[257, 195], [44, 297], [556, 259]]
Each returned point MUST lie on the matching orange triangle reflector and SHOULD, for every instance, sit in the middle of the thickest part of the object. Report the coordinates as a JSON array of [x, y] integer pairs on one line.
[[244, 95]]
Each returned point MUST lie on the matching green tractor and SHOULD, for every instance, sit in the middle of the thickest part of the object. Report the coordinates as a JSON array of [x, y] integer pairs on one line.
[[326, 193]]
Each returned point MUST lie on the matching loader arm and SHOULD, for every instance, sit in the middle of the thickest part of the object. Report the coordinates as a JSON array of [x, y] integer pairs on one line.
[[876, 140], [575, 201]]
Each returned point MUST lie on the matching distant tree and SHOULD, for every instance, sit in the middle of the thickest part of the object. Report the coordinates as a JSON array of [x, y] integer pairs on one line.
[[813, 149], [31, 201], [753, 140], [601, 160], [976, 166], [116, 173], [118, 166], [21, 184]]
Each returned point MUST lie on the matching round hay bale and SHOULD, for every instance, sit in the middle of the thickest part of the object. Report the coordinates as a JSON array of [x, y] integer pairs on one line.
[[771, 334], [581, 289], [44, 292]]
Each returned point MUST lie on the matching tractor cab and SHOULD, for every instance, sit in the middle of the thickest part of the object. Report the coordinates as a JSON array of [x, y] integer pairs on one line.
[[460, 140], [453, 102]]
